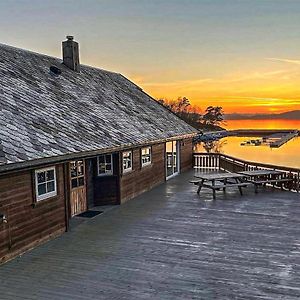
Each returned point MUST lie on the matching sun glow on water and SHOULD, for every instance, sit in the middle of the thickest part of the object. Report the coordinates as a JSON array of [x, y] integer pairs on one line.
[[286, 155]]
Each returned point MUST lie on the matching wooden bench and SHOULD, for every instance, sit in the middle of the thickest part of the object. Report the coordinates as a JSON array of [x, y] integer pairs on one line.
[[264, 177], [281, 181], [196, 182], [223, 186], [219, 181]]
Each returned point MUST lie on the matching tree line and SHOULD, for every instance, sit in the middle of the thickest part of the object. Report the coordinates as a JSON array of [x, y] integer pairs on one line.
[[211, 119]]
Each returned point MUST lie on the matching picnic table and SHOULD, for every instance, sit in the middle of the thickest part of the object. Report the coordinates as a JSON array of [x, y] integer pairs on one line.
[[217, 181], [263, 177]]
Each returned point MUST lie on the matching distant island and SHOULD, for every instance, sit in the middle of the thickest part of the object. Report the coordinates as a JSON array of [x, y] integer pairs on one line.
[[290, 115]]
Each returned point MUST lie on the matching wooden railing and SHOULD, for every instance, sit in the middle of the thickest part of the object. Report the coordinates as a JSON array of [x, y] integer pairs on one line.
[[208, 161], [217, 161]]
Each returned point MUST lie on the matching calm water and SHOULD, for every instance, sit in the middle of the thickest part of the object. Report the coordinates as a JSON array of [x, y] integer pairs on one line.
[[286, 155]]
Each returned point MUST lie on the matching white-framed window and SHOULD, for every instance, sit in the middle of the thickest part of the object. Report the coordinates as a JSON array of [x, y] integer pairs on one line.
[[45, 183], [127, 161], [77, 171], [146, 156], [105, 164]]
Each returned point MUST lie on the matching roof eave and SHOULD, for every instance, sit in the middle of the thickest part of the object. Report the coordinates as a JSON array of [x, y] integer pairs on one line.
[[29, 164]]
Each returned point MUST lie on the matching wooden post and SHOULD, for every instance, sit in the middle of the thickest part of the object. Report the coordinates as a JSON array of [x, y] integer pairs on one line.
[[9, 229], [214, 190], [66, 194]]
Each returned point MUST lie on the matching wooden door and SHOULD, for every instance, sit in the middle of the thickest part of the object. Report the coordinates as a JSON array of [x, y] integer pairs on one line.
[[78, 201]]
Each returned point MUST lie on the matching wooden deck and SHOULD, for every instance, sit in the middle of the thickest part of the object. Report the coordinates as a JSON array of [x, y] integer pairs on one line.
[[169, 244]]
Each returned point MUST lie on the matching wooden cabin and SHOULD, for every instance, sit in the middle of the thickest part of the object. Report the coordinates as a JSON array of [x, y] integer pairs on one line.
[[73, 137]]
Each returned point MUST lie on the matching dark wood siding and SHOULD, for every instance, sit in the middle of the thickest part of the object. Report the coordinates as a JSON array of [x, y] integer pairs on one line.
[[28, 225], [186, 155], [141, 179]]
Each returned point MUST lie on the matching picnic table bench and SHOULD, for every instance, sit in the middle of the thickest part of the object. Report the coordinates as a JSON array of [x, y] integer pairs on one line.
[[218, 181], [263, 177]]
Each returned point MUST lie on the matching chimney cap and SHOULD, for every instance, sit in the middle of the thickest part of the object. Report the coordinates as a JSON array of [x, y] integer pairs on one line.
[[70, 37]]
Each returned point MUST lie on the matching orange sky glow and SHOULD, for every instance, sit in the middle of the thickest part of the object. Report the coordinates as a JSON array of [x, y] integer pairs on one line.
[[273, 90]]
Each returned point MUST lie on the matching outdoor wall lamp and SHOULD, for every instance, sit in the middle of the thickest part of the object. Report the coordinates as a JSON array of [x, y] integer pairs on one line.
[[3, 218]]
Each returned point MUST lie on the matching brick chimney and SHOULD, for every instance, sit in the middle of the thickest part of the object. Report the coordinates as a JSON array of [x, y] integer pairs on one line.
[[70, 51]]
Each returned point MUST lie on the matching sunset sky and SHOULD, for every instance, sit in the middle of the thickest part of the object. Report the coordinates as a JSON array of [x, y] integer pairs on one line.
[[242, 55]]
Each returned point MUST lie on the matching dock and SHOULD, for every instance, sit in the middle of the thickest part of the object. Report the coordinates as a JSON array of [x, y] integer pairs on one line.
[[170, 244], [259, 132], [283, 139], [274, 138]]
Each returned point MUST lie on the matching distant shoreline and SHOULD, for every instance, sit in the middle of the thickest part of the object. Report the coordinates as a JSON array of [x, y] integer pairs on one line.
[[260, 118], [290, 115]]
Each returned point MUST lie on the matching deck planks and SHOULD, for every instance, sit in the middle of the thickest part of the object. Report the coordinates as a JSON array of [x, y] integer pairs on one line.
[[170, 244]]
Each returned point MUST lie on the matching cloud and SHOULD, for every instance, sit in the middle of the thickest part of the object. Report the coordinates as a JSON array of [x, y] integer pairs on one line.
[[234, 78], [290, 61], [181, 83], [255, 76], [265, 101]]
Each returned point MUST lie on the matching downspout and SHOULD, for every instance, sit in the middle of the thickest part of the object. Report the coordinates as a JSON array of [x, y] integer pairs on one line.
[[8, 229], [119, 178]]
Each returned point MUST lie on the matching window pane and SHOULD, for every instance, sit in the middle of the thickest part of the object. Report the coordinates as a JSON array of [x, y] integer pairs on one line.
[[169, 147], [169, 164], [101, 169], [73, 169], [127, 160], [175, 146], [169, 160], [42, 189], [80, 168], [105, 164], [80, 181], [50, 175], [146, 155], [74, 183], [41, 177], [50, 186], [101, 159]]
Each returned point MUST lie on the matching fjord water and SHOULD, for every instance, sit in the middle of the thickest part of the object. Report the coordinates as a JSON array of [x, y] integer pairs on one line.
[[287, 155]]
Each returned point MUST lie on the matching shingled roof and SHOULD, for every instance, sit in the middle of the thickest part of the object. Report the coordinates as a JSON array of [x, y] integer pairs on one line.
[[44, 115]]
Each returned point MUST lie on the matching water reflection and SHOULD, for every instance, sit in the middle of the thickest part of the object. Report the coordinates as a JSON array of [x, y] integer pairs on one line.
[[287, 155]]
